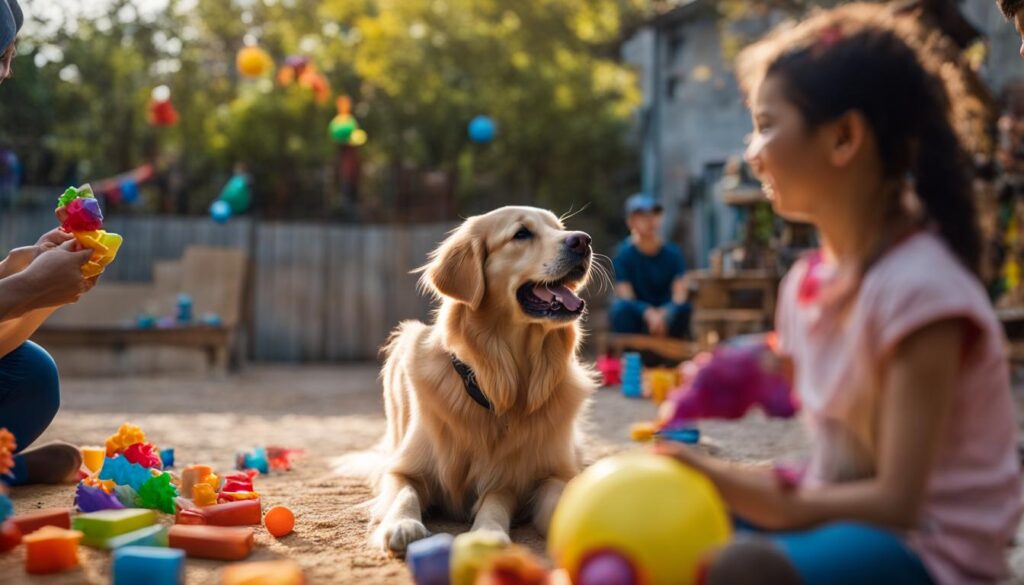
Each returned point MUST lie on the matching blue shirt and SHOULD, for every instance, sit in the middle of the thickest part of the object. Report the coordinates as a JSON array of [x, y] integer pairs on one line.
[[650, 276]]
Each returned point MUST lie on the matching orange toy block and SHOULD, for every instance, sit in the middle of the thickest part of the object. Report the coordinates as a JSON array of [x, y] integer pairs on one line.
[[203, 495], [240, 513], [212, 542], [194, 474], [263, 573], [51, 550], [29, 523]]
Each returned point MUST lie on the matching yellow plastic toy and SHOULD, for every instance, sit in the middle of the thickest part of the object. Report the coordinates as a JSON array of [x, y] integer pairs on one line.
[[79, 214], [471, 553], [646, 518], [93, 457], [662, 381], [203, 495], [125, 437]]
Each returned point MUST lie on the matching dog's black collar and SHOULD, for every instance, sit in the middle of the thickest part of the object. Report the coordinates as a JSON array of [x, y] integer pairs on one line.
[[469, 380]]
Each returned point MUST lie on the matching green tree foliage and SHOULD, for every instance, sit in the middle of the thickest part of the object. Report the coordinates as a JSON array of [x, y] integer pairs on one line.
[[417, 70]]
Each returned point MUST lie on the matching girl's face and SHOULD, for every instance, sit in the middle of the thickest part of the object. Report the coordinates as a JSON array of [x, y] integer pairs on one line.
[[791, 162]]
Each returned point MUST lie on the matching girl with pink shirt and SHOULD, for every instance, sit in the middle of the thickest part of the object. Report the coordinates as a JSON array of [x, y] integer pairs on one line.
[[899, 361]]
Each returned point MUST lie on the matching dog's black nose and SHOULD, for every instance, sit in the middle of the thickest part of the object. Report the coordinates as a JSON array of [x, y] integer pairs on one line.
[[578, 242]]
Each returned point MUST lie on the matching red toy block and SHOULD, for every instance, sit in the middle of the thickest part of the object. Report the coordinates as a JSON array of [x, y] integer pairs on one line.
[[10, 536], [29, 523], [212, 542], [240, 513]]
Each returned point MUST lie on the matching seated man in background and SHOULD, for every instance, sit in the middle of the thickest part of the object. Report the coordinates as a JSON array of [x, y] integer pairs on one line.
[[650, 291]]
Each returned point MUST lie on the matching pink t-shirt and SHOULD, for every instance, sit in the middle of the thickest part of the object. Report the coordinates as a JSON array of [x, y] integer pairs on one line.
[[973, 500]]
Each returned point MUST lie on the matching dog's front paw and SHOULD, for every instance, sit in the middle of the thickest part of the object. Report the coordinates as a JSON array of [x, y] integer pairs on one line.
[[395, 537]]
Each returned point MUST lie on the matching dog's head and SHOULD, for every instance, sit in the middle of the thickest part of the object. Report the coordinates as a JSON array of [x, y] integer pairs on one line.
[[519, 261]]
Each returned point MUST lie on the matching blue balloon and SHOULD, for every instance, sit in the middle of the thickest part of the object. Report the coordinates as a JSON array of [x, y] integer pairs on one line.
[[220, 211], [129, 190], [482, 129]]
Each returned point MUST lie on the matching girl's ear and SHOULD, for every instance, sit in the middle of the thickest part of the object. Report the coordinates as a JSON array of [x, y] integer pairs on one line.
[[845, 137]]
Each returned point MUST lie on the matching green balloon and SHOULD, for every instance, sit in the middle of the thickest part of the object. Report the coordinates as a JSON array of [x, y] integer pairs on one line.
[[236, 194], [341, 128]]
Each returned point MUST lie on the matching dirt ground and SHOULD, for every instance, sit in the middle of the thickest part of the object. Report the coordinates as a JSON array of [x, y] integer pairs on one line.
[[327, 411]]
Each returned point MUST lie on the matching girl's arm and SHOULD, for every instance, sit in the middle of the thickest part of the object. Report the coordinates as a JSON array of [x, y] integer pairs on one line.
[[913, 412]]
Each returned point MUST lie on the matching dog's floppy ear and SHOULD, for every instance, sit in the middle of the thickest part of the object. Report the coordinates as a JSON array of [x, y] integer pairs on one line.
[[456, 268]]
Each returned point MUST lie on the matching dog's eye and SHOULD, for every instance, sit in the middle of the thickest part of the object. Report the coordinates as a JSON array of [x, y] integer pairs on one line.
[[523, 234]]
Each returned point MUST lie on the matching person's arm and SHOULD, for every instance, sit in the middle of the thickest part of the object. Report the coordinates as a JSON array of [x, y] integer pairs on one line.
[[14, 332], [54, 278], [914, 410]]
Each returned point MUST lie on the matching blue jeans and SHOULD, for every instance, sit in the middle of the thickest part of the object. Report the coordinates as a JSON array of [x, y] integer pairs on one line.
[[29, 397], [848, 553], [627, 316]]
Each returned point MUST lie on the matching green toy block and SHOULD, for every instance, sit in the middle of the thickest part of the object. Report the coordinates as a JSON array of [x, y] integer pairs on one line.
[[98, 527], [155, 535]]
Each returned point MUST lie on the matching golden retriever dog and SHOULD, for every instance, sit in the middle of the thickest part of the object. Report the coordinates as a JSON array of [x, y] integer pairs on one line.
[[482, 404]]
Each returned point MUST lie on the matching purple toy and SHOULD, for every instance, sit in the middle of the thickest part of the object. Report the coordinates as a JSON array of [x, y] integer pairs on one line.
[[727, 383], [94, 499]]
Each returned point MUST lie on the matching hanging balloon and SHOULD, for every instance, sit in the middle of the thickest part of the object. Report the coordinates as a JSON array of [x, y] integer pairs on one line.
[[482, 129], [129, 190], [161, 110], [236, 194], [160, 93], [253, 61], [220, 211], [342, 128], [358, 137]]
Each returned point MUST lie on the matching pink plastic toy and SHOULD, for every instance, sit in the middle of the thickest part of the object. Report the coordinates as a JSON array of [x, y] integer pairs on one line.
[[611, 370], [728, 382]]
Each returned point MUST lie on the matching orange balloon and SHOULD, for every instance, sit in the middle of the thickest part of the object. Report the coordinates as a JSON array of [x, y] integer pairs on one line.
[[280, 521]]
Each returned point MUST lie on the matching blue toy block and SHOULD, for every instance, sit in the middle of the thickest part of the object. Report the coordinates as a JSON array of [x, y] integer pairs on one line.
[[429, 559], [167, 457], [6, 508], [683, 435], [632, 375], [255, 459], [146, 565]]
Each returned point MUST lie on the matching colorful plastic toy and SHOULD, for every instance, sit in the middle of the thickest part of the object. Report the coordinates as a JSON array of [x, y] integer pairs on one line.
[[51, 550], [429, 559], [99, 527], [32, 521], [155, 535], [127, 495], [241, 513], [158, 493], [280, 458], [93, 457], [203, 495], [167, 457], [6, 508], [194, 474], [263, 573], [212, 542], [224, 497], [107, 485], [126, 436], [7, 447], [122, 472], [253, 61], [239, 482], [255, 459], [662, 381], [645, 512], [727, 383], [646, 431], [513, 566], [10, 536], [280, 521], [611, 370], [94, 499], [79, 213], [144, 454], [632, 375], [471, 552], [145, 565]]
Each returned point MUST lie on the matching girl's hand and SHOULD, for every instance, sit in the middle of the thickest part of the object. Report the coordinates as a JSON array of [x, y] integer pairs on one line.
[[19, 258], [53, 239], [55, 278]]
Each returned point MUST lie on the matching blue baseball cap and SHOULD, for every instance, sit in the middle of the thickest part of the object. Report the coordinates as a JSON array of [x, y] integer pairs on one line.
[[11, 20], [642, 203]]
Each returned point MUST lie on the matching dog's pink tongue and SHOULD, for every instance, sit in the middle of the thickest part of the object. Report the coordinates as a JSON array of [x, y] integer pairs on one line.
[[567, 298], [543, 293]]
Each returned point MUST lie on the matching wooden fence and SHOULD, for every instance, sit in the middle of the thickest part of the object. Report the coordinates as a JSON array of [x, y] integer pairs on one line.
[[320, 292]]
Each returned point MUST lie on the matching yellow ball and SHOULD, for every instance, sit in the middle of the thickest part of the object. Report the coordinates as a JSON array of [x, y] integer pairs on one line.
[[253, 61], [657, 513]]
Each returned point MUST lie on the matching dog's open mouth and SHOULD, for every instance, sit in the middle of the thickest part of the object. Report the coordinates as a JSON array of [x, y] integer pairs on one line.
[[553, 300]]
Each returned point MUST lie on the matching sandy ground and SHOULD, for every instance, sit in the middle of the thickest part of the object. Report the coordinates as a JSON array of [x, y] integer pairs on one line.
[[327, 412]]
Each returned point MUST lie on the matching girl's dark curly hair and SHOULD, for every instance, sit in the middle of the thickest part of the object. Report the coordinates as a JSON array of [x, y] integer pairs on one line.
[[860, 57]]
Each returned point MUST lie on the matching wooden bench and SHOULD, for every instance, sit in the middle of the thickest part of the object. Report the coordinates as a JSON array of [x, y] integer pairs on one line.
[[105, 318]]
